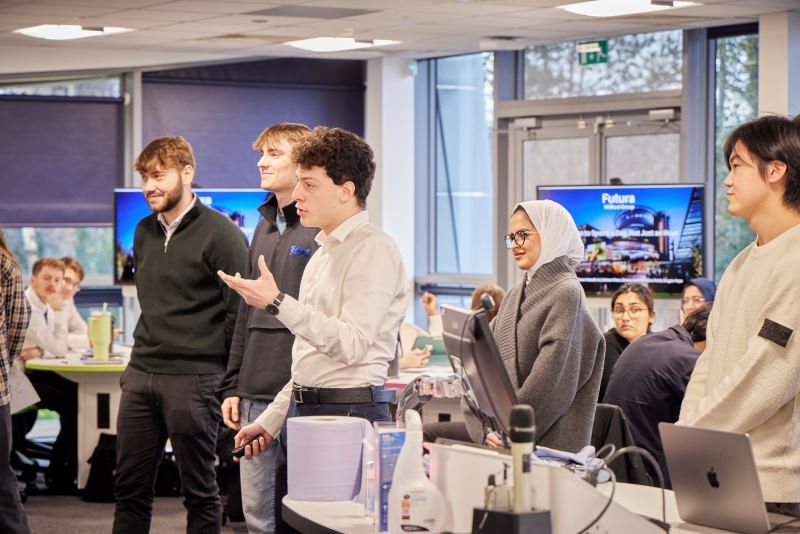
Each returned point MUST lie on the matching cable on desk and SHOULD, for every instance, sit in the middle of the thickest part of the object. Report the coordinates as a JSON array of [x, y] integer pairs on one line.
[[608, 502], [607, 459], [644, 453]]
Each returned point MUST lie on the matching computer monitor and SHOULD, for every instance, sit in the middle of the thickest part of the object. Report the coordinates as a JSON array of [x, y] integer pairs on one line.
[[474, 353], [130, 206]]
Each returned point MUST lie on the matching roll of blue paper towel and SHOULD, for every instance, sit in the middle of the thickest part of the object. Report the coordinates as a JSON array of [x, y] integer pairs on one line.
[[324, 457]]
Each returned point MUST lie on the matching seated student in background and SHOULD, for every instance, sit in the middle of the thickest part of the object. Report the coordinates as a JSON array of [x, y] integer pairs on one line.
[[409, 332], [551, 347], [633, 309], [409, 356], [435, 320], [77, 328], [47, 336], [47, 331], [650, 379], [748, 378], [696, 292], [71, 284]]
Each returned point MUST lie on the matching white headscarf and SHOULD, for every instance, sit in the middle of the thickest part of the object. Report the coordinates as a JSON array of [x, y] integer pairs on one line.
[[557, 231]]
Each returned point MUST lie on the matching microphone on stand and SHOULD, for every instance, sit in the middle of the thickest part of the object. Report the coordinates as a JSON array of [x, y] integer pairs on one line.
[[522, 431]]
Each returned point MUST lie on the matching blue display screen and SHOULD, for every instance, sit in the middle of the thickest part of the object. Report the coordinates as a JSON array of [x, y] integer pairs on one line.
[[130, 207], [651, 234]]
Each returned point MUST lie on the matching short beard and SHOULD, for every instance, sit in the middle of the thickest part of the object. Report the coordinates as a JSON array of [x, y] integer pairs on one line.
[[171, 199]]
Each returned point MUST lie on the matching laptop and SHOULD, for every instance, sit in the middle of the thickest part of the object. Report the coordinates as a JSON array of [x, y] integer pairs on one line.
[[714, 478]]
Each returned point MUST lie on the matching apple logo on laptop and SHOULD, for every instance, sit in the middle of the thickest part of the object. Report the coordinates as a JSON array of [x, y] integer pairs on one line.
[[712, 478]]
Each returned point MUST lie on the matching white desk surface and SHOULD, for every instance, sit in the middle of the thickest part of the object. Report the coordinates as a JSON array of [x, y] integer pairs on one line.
[[348, 517], [77, 362]]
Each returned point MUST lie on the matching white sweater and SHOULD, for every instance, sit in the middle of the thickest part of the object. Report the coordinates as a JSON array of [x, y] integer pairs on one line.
[[745, 382]]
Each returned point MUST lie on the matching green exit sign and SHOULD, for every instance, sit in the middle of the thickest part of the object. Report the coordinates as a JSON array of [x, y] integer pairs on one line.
[[592, 52]]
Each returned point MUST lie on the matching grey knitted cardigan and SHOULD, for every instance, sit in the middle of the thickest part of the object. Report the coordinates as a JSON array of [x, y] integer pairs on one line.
[[553, 354]]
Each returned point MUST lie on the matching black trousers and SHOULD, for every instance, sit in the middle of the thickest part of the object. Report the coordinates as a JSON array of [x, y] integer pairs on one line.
[[60, 395], [12, 515], [152, 408], [372, 412]]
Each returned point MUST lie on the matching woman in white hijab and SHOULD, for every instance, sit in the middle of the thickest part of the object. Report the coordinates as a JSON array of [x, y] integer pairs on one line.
[[551, 347]]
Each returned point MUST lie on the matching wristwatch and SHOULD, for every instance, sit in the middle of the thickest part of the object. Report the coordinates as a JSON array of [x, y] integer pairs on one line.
[[272, 307]]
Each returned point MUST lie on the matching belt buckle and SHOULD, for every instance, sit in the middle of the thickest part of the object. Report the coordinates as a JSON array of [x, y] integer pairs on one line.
[[299, 393]]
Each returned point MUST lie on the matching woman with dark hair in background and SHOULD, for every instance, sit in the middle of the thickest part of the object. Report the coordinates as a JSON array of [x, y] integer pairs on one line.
[[633, 309], [696, 292], [14, 312]]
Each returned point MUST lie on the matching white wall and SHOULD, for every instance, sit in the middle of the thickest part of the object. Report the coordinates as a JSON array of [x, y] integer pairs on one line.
[[779, 64], [390, 132]]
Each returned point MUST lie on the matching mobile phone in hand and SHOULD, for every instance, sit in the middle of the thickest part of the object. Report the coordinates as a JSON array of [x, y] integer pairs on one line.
[[238, 452]]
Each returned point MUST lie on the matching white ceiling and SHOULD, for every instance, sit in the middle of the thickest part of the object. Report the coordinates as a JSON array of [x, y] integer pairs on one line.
[[191, 31]]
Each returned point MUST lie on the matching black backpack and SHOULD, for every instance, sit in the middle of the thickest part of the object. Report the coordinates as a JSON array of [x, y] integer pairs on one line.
[[100, 484]]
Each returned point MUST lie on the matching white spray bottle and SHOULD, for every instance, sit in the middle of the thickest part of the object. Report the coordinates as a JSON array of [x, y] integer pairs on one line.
[[415, 503]]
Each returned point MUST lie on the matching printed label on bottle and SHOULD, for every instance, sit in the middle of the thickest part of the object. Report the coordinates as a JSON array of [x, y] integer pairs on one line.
[[413, 510]]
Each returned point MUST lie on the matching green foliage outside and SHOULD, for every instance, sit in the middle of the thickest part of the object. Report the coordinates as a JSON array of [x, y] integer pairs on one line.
[[91, 245], [636, 64], [736, 102]]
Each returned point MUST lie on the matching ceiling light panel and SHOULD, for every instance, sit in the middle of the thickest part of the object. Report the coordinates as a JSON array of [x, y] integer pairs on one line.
[[310, 12], [617, 8]]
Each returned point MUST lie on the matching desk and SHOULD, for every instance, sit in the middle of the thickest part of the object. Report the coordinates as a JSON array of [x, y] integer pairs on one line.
[[348, 517], [98, 398]]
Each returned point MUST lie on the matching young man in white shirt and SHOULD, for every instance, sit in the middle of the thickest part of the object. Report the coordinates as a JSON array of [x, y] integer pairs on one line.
[[748, 377], [47, 332], [47, 337], [71, 284], [353, 294]]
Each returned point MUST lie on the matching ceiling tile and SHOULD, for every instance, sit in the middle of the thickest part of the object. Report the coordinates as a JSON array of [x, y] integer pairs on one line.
[[199, 6], [56, 10]]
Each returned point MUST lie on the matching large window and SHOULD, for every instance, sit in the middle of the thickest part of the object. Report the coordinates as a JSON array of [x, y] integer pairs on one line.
[[463, 99], [636, 63], [92, 246], [736, 101]]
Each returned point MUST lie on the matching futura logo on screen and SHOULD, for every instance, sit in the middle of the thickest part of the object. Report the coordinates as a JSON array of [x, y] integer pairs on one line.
[[615, 201]]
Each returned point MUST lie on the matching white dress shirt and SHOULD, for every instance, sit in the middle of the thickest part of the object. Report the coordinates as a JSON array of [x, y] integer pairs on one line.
[[47, 328], [353, 296], [75, 323]]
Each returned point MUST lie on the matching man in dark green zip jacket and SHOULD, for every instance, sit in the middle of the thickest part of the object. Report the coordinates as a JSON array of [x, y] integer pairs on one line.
[[181, 342]]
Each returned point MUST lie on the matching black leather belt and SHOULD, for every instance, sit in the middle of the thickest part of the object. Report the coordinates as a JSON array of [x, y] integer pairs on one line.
[[367, 394]]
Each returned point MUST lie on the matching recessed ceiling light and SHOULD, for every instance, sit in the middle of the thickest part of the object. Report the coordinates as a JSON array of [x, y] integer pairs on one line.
[[618, 8], [337, 44], [62, 32]]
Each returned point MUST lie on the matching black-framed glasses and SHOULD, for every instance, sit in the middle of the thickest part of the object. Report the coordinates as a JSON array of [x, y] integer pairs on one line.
[[633, 312], [517, 237]]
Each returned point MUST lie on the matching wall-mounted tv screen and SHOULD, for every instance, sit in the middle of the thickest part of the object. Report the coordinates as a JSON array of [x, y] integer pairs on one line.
[[636, 233], [130, 206]]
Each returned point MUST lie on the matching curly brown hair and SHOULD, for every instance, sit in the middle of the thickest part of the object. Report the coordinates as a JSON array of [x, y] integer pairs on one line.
[[345, 157]]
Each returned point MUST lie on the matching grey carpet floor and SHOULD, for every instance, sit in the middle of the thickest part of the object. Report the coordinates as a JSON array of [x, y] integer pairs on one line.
[[55, 514]]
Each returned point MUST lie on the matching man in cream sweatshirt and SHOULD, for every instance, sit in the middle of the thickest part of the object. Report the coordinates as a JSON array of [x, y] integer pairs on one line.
[[748, 377]]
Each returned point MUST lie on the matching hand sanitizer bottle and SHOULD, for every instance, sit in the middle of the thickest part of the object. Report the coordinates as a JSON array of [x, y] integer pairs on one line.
[[415, 503]]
